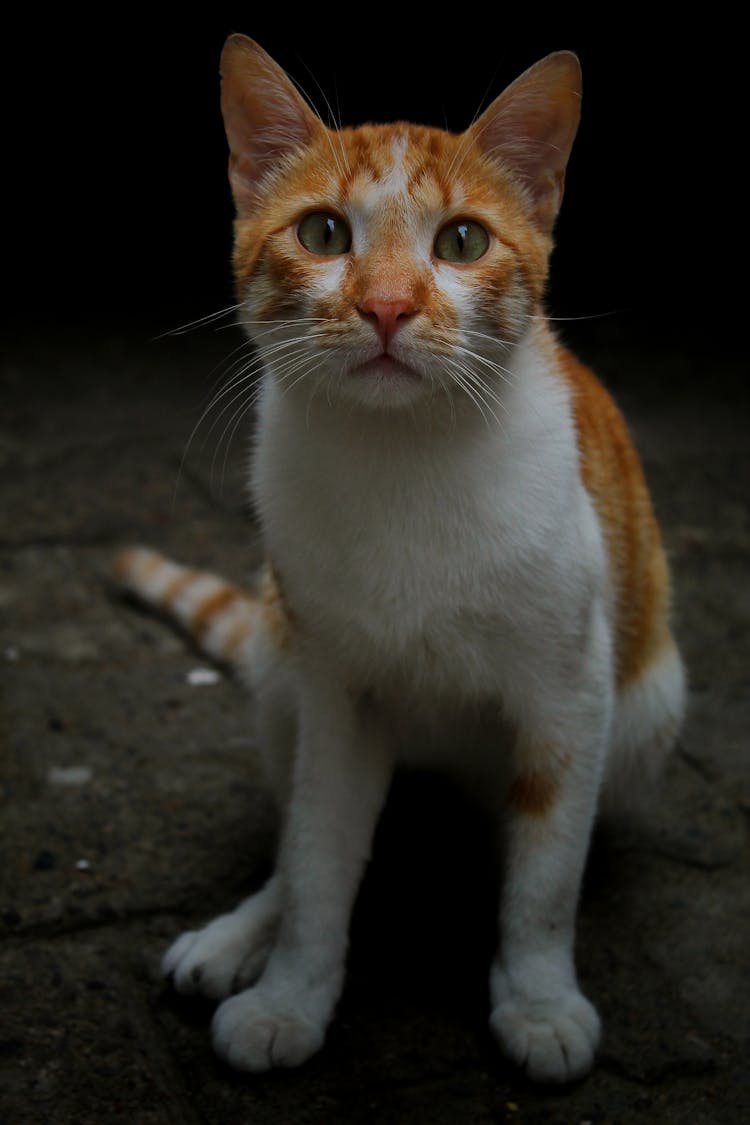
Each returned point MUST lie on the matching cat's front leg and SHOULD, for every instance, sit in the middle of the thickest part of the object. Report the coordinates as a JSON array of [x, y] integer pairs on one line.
[[540, 1017], [231, 951], [341, 773]]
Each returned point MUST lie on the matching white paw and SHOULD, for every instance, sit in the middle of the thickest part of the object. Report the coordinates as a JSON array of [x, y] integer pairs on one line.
[[225, 956], [554, 1039], [253, 1031]]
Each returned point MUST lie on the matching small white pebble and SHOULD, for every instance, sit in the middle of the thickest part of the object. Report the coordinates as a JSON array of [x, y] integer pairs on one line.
[[12, 654], [198, 677], [69, 775], [82, 864]]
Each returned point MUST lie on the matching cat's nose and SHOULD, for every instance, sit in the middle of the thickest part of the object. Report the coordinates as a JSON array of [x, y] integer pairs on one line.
[[387, 316]]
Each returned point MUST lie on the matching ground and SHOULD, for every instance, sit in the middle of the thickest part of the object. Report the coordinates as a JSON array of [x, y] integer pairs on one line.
[[132, 807]]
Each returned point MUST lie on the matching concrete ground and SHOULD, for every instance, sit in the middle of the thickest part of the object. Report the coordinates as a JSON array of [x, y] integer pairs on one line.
[[132, 808]]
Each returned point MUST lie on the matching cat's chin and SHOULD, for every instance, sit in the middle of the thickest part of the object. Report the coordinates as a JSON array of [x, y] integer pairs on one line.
[[383, 383]]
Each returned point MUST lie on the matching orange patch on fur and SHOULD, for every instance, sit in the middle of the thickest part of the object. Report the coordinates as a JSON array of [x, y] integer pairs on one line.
[[126, 561], [277, 617], [533, 793], [176, 586], [236, 638], [612, 475], [212, 605]]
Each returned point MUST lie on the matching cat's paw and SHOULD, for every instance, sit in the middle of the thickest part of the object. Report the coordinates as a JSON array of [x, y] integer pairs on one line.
[[554, 1039], [255, 1031], [227, 955]]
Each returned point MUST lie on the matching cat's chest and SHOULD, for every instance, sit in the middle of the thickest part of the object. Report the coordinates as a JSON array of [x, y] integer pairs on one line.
[[409, 563], [400, 605], [397, 575]]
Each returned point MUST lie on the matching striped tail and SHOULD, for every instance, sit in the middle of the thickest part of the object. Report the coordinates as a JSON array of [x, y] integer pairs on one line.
[[218, 615]]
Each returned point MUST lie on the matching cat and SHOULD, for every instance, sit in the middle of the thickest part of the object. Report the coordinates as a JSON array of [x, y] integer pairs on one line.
[[463, 561]]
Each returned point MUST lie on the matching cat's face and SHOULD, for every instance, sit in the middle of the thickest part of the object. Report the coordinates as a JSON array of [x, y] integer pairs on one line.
[[390, 263]]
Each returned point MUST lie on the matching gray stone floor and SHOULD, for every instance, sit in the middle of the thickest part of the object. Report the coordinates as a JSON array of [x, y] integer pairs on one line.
[[131, 805]]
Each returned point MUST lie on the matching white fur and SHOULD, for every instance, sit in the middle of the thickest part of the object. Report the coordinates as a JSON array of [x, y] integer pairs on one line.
[[646, 721]]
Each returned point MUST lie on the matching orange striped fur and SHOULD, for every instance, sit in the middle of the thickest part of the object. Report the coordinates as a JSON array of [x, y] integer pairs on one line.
[[218, 615], [612, 474]]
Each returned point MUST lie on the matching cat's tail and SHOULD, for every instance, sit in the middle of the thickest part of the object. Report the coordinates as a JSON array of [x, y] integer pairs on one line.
[[219, 616]]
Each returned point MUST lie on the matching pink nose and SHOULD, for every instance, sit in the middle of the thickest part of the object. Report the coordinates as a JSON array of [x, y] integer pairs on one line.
[[387, 316]]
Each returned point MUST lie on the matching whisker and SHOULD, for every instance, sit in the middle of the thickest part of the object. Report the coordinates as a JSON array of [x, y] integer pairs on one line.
[[470, 381], [286, 369], [292, 320], [256, 360], [306, 372], [463, 150], [459, 377], [311, 103], [250, 371], [485, 389], [240, 386], [497, 368], [586, 316], [335, 122], [245, 346], [437, 381], [240, 413], [200, 322], [497, 340]]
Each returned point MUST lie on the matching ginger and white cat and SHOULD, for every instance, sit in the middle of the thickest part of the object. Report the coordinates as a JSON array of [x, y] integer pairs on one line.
[[462, 554]]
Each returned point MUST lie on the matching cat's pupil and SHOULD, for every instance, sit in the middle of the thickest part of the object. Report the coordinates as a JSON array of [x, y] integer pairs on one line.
[[328, 233], [461, 236]]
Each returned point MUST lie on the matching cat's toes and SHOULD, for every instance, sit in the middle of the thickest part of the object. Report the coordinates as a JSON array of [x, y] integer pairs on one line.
[[554, 1039], [251, 1032], [177, 951], [217, 960]]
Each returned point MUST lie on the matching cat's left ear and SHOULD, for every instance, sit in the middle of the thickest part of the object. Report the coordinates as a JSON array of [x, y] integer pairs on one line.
[[531, 126], [265, 118]]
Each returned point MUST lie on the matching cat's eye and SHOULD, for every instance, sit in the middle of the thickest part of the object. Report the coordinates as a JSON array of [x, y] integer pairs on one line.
[[323, 233], [463, 240]]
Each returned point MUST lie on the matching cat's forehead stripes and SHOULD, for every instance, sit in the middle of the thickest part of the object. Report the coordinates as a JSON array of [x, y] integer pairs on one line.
[[397, 160]]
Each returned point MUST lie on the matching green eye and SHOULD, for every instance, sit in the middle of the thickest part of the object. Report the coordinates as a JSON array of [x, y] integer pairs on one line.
[[463, 240], [322, 233]]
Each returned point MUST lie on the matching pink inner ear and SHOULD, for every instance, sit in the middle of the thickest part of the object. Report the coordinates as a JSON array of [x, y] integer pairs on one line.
[[530, 129], [264, 117]]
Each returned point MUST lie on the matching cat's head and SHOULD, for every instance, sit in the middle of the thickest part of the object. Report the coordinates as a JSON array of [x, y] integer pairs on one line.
[[387, 262]]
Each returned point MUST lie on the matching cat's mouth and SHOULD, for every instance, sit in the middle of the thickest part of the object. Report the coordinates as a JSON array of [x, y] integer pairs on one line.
[[385, 366]]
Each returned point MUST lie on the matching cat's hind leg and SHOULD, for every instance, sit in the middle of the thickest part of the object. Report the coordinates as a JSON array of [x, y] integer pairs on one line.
[[648, 714]]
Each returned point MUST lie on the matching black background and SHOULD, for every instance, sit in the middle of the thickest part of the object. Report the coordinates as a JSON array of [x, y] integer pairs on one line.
[[122, 212]]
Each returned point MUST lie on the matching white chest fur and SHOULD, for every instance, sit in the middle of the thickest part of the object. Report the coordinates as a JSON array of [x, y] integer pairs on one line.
[[432, 555]]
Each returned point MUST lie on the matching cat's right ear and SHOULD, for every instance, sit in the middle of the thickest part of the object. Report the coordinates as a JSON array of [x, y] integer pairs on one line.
[[264, 117], [531, 126]]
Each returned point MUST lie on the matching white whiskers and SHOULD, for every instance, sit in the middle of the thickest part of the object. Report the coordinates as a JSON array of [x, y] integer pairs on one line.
[[475, 388], [236, 389], [201, 322]]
